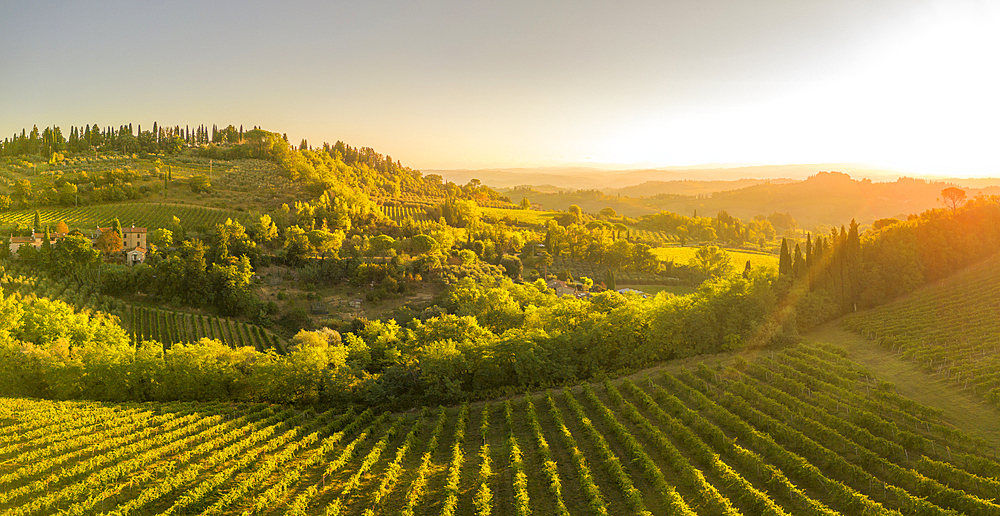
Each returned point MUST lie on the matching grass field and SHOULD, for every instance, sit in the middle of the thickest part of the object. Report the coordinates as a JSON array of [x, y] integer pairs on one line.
[[525, 217], [683, 255], [800, 431], [948, 329]]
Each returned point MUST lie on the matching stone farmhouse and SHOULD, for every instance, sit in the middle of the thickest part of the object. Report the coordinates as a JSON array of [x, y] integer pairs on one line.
[[133, 243]]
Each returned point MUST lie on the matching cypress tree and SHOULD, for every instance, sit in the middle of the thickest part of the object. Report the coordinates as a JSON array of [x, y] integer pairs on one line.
[[785, 259], [798, 263], [38, 222], [852, 264]]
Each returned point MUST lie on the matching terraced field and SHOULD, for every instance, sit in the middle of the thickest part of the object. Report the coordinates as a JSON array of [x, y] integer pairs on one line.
[[949, 328], [801, 431]]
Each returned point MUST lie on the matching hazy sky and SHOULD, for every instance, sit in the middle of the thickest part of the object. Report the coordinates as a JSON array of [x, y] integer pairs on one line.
[[465, 84]]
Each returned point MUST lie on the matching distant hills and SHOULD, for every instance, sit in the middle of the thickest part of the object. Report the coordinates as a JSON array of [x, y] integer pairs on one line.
[[813, 197], [587, 178]]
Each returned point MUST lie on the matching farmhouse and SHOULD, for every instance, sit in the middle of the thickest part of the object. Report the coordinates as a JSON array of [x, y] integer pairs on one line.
[[132, 237], [560, 287], [133, 243], [35, 240]]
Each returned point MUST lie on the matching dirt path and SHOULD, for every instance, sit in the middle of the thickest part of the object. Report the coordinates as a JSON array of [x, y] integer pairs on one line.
[[962, 410]]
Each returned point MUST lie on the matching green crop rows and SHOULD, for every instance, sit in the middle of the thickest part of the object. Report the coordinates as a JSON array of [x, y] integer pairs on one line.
[[949, 328], [143, 323], [171, 327], [148, 215], [802, 431]]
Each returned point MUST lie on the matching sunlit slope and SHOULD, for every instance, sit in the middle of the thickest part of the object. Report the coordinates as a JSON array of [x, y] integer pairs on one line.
[[803, 431], [950, 328], [142, 214]]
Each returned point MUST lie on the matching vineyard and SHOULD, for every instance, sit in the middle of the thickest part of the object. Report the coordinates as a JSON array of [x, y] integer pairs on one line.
[[654, 238], [171, 327], [801, 431], [949, 328], [401, 213], [143, 323], [148, 215]]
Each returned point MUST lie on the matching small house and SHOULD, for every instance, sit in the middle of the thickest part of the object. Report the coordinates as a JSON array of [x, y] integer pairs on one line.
[[135, 256]]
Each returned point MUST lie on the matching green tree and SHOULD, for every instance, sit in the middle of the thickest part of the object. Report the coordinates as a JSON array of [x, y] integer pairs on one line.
[[545, 260], [423, 244], [264, 230], [161, 238], [37, 225], [200, 183], [73, 255], [784, 259], [712, 261], [576, 212], [525, 204], [326, 242]]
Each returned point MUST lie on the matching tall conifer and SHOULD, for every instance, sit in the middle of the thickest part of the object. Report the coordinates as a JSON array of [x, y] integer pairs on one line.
[[785, 259]]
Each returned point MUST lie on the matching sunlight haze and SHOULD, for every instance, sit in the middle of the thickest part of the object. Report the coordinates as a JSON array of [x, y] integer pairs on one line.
[[438, 85]]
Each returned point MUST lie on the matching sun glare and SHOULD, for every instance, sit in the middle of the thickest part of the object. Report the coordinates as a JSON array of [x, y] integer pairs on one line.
[[923, 98]]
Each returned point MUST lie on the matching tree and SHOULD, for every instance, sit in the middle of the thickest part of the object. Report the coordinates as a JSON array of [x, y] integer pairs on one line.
[[72, 253], [264, 230], [953, 197], [682, 234], [116, 226], [38, 222], [525, 204], [161, 237], [512, 266], [576, 212], [785, 259], [61, 227], [608, 213], [381, 245], [422, 244], [545, 260], [109, 242], [326, 241], [199, 183], [711, 260]]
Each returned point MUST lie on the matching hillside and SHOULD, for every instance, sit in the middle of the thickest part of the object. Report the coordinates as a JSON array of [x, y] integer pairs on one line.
[[586, 178], [825, 198], [795, 432], [948, 329]]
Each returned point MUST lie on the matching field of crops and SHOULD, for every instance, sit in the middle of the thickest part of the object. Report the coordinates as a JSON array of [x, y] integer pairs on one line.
[[738, 258], [950, 328], [522, 217], [142, 323], [148, 215], [802, 431], [171, 327], [654, 238], [399, 213]]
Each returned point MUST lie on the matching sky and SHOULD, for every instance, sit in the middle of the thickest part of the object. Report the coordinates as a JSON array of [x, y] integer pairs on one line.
[[910, 85]]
